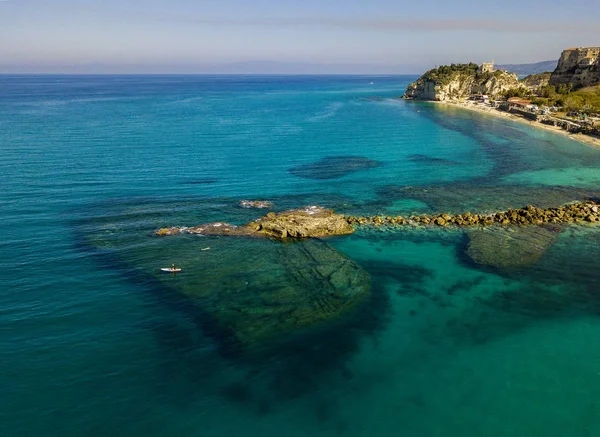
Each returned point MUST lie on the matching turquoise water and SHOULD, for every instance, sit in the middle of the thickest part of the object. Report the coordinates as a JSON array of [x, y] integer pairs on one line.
[[96, 342]]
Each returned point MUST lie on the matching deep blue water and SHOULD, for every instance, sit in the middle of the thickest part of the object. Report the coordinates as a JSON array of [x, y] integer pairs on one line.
[[96, 342]]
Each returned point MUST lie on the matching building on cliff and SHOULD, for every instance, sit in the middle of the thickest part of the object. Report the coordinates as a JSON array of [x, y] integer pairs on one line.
[[486, 67], [579, 57], [579, 66], [587, 55]]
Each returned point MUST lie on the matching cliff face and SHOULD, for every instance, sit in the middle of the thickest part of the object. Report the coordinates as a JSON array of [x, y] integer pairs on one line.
[[535, 81], [580, 66], [423, 89], [459, 82]]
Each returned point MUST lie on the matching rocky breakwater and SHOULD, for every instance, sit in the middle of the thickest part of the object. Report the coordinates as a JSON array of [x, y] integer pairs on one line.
[[309, 222], [459, 81], [576, 212], [316, 221], [503, 240]]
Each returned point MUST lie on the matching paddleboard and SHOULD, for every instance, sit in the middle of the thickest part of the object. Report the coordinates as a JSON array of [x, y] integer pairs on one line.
[[170, 270]]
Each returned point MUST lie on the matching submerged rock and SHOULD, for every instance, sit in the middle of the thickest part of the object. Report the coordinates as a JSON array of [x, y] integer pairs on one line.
[[514, 247], [459, 197], [270, 291], [430, 160], [256, 204], [333, 167], [217, 228]]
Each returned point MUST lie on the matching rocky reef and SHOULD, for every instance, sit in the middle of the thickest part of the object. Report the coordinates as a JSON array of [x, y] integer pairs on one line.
[[274, 290], [260, 204], [459, 81], [420, 158], [309, 222], [333, 167], [316, 221], [258, 290], [457, 198], [509, 247], [251, 295]]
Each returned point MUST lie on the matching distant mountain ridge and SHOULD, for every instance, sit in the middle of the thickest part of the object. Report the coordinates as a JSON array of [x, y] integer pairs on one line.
[[527, 69]]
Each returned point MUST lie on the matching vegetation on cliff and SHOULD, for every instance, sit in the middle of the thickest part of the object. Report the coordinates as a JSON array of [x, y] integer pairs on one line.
[[445, 73], [459, 81]]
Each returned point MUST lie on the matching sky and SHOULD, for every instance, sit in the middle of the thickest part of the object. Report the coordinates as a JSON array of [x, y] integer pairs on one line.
[[300, 36]]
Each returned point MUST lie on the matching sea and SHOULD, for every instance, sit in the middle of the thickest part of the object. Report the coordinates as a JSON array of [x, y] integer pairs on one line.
[[463, 332]]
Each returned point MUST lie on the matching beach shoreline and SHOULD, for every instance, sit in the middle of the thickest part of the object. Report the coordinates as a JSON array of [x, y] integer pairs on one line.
[[482, 109]]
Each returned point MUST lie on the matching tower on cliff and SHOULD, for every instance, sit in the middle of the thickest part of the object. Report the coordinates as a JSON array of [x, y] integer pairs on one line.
[[486, 67]]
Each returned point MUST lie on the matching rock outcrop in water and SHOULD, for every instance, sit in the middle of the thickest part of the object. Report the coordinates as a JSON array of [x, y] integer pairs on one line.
[[309, 222], [313, 221]]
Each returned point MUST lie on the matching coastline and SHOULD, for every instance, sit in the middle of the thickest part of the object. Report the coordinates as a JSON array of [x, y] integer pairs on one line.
[[475, 107]]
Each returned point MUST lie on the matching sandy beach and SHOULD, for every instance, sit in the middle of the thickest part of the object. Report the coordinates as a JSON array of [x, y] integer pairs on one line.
[[484, 109]]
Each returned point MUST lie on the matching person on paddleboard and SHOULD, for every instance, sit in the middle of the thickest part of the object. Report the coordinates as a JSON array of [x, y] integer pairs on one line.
[[173, 267]]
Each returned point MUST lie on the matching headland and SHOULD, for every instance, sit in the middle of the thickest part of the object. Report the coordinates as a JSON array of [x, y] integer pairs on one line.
[[566, 100]]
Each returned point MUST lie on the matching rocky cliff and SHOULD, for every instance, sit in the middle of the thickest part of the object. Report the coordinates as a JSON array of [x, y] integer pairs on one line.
[[578, 66], [459, 81], [535, 81]]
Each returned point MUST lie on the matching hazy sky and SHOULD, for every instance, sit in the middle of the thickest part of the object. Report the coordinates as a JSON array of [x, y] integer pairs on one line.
[[197, 35]]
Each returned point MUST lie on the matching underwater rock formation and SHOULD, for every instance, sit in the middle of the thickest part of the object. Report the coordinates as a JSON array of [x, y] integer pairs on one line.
[[251, 295], [255, 204], [420, 158], [309, 222], [273, 290], [505, 248], [459, 197], [333, 167]]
